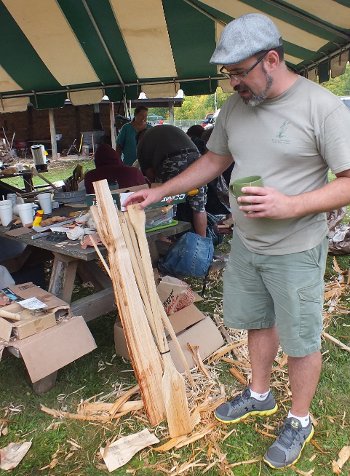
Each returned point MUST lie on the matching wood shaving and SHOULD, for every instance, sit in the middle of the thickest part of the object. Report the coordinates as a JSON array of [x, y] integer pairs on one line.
[[343, 456]]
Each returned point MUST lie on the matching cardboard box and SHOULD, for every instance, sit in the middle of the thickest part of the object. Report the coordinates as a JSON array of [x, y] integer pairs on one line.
[[185, 318], [175, 294], [191, 326], [30, 322], [52, 349]]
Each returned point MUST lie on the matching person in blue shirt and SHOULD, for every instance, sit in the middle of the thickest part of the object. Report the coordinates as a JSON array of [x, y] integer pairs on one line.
[[126, 140]]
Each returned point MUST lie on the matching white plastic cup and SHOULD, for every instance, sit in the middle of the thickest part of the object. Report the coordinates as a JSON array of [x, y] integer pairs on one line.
[[6, 213], [45, 202], [5, 202], [12, 197], [25, 212]]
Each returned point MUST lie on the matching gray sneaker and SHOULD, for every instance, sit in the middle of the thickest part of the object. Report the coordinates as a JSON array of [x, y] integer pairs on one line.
[[243, 406], [286, 450]]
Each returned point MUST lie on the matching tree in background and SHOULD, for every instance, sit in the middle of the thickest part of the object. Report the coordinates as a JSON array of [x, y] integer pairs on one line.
[[340, 86], [197, 107]]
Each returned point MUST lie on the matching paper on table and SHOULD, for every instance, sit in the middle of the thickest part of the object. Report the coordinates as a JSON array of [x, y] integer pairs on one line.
[[32, 304], [121, 451]]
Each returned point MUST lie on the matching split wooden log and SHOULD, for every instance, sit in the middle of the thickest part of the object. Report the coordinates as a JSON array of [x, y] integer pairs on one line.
[[198, 359], [131, 242], [95, 408], [143, 352], [238, 376], [138, 269], [173, 384], [99, 254]]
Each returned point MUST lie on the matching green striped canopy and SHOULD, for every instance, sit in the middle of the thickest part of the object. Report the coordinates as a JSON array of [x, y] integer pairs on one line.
[[52, 50]]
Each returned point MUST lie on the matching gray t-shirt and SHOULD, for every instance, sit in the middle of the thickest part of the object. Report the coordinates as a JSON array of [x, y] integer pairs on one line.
[[291, 141]]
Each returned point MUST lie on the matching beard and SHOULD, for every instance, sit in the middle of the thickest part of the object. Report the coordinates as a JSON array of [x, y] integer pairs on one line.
[[255, 98]]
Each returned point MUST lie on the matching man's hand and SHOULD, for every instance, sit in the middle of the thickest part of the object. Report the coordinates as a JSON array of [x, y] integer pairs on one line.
[[266, 202], [145, 197]]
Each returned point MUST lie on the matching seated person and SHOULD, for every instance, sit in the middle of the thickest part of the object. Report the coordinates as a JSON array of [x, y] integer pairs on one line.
[[5, 278], [165, 151], [110, 166], [23, 262]]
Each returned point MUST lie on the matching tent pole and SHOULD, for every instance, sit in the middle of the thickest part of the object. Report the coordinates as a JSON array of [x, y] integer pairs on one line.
[[112, 122], [53, 134], [171, 113]]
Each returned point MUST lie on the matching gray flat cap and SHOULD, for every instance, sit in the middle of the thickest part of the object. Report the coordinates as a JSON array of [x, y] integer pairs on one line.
[[244, 37]]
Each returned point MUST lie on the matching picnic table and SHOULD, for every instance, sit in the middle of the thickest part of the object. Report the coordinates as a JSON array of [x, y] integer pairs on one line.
[[70, 260], [27, 177]]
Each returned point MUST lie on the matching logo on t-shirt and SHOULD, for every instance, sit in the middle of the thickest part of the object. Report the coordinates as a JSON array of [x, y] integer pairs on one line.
[[281, 136]]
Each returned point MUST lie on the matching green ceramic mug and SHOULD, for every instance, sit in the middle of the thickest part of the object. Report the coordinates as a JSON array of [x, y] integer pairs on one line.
[[252, 181]]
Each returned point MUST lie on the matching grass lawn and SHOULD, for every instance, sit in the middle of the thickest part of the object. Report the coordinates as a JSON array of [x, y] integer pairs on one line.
[[58, 170], [67, 447]]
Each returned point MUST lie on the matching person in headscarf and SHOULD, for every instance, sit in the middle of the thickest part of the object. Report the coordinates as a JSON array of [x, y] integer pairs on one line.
[[109, 166]]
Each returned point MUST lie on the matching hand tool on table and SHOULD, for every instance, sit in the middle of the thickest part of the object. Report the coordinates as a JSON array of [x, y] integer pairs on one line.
[[41, 235], [12, 316], [40, 229]]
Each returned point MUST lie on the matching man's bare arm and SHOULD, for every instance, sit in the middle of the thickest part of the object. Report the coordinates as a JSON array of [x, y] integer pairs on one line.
[[202, 171]]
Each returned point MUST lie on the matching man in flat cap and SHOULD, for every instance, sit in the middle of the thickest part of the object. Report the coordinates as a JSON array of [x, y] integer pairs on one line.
[[290, 131]]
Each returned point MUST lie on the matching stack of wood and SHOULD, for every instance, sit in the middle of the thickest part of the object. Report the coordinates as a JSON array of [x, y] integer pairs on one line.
[[142, 314]]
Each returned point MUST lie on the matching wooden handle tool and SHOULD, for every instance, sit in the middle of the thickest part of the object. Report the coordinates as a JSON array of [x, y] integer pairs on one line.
[[11, 316]]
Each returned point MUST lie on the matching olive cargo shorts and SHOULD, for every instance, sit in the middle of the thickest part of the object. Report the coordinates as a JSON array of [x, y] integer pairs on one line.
[[261, 291]]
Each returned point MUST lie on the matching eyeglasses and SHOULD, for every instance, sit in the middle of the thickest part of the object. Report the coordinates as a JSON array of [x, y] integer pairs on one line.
[[244, 74]]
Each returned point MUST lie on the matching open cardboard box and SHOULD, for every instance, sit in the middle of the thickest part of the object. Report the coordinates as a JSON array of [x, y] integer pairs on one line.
[[175, 294], [30, 322], [191, 326], [44, 343], [52, 349]]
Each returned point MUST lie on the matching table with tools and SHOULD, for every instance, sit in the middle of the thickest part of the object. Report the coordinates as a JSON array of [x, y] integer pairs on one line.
[[70, 260]]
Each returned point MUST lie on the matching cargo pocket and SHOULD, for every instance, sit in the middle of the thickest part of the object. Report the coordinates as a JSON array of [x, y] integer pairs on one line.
[[311, 303]]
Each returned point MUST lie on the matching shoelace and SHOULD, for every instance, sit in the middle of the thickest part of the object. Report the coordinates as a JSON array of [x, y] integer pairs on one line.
[[288, 435], [241, 399]]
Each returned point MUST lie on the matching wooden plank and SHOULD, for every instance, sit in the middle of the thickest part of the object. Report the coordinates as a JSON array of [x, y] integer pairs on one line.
[[94, 306], [142, 349], [90, 271], [173, 384], [63, 276]]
